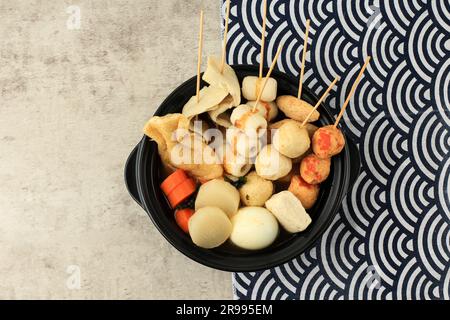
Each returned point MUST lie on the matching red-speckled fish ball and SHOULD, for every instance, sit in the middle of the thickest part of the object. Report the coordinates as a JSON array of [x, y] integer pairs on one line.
[[315, 170], [328, 141], [305, 192]]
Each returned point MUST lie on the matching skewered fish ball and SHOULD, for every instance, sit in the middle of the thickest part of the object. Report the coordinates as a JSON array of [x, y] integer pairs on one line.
[[297, 109], [315, 170], [328, 141], [272, 165], [244, 118], [268, 110], [305, 192], [251, 87], [291, 140]]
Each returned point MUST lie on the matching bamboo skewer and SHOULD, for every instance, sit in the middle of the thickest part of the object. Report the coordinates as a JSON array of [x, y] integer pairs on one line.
[[274, 62], [263, 39], [225, 36], [352, 91], [302, 71], [320, 100], [199, 60]]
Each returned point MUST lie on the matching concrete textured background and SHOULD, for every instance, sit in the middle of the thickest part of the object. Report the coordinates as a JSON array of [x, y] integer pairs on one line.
[[73, 103]]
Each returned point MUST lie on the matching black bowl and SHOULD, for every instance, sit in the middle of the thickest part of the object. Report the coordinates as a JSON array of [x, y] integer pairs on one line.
[[143, 178]]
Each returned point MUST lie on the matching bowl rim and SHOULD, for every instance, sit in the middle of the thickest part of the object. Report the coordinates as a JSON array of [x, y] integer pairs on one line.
[[152, 205]]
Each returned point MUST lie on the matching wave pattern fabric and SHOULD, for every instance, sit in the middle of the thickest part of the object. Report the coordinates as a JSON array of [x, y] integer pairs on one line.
[[391, 238]]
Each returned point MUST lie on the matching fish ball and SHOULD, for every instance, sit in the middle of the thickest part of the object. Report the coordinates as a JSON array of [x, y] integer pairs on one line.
[[251, 87], [268, 110], [256, 190], [305, 192], [291, 140], [272, 165], [244, 118], [297, 109], [327, 142], [315, 170]]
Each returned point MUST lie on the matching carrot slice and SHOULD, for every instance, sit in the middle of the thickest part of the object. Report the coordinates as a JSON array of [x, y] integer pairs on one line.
[[182, 218], [181, 192], [172, 181]]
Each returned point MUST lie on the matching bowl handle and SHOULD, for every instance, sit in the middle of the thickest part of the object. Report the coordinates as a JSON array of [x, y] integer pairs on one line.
[[130, 176], [355, 163]]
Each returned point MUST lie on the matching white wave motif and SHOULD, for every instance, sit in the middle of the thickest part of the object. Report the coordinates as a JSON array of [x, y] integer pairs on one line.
[[444, 188], [441, 13], [442, 92], [425, 129]]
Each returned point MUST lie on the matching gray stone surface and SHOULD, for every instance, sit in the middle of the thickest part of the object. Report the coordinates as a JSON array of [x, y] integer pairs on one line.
[[73, 103]]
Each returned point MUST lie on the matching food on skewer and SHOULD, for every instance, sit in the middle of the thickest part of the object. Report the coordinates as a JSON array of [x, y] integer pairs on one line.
[[218, 193], [254, 228], [209, 227], [308, 126], [226, 80], [291, 140], [219, 115], [244, 118], [297, 109], [266, 80], [277, 125], [210, 98], [219, 74], [315, 170], [252, 86], [272, 165], [328, 141], [305, 192], [289, 211], [256, 190], [268, 110]]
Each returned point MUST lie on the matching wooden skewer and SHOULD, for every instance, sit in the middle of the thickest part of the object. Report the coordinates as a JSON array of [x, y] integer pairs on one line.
[[302, 70], [263, 39], [320, 100], [274, 62], [352, 91], [225, 36], [199, 60]]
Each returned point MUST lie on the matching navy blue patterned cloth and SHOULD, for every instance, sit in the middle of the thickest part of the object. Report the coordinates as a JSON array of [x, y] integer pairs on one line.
[[391, 238]]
